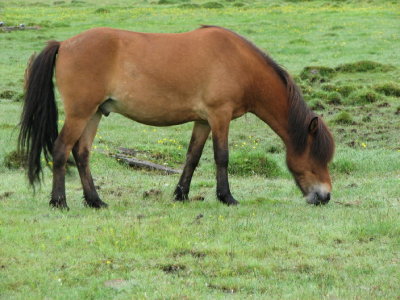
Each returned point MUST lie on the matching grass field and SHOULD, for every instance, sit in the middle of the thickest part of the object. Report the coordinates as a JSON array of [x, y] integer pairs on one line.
[[344, 55]]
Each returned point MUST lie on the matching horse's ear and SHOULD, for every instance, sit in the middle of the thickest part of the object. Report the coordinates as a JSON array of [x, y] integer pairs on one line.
[[312, 128]]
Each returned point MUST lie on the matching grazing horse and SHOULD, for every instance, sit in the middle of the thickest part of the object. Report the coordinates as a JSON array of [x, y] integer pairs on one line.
[[209, 76]]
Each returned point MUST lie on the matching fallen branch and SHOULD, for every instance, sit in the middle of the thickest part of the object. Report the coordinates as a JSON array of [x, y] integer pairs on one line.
[[128, 151], [143, 164]]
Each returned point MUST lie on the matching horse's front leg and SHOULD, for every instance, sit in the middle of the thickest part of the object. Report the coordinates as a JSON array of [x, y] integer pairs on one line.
[[220, 129], [200, 133]]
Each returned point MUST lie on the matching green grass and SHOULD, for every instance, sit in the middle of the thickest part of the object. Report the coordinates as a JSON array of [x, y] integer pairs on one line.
[[273, 245]]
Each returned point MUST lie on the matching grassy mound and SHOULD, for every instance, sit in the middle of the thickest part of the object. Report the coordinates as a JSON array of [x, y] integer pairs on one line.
[[212, 5], [364, 66], [317, 73], [321, 88]]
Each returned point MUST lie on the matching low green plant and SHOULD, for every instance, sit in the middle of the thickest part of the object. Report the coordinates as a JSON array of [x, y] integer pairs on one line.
[[14, 160], [343, 90], [366, 119], [189, 6], [274, 149], [388, 89], [316, 104], [253, 163], [319, 98], [364, 96], [330, 87], [78, 2], [343, 118], [346, 90], [7, 94], [343, 166], [305, 86], [102, 10], [334, 98]]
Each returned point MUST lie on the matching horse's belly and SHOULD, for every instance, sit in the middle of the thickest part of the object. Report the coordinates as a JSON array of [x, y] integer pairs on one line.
[[155, 113]]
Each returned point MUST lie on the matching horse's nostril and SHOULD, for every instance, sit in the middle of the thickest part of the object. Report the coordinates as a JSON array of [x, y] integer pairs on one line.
[[323, 198]]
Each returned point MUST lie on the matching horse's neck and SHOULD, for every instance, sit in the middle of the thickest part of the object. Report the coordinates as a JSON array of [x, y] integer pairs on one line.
[[272, 106]]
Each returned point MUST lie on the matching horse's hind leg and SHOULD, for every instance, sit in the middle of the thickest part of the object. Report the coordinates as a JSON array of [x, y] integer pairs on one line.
[[70, 133], [201, 130], [81, 152], [220, 127]]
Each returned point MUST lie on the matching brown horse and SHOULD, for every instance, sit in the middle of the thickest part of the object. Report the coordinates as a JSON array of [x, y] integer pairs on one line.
[[210, 76]]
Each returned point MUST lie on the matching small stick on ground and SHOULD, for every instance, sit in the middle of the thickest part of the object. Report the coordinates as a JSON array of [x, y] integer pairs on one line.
[[143, 164]]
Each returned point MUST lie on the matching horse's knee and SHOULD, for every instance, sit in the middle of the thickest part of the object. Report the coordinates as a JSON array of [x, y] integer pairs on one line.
[[221, 157], [81, 157], [192, 161], [59, 159]]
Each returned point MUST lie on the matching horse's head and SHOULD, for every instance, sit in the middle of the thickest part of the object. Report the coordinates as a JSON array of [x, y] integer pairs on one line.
[[310, 166]]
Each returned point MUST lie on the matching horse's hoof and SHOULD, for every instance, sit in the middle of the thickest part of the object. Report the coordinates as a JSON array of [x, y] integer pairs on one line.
[[232, 202], [59, 204], [229, 200], [180, 196], [93, 201], [96, 204]]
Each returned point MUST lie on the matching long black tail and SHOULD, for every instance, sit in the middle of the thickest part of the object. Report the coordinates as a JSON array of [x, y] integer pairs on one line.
[[39, 117]]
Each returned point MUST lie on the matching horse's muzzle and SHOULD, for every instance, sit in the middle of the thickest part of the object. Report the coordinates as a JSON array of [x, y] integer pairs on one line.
[[318, 197]]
